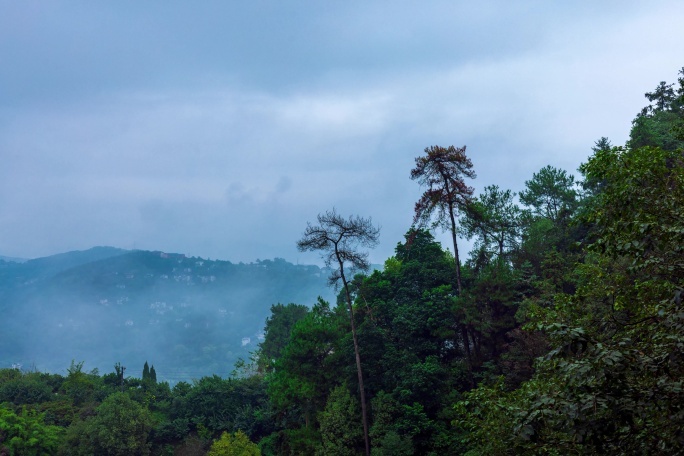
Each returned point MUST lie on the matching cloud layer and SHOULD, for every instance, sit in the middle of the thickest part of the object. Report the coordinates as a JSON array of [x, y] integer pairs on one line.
[[219, 130]]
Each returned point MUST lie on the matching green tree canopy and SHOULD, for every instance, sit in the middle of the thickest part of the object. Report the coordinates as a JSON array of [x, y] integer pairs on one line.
[[236, 444], [661, 123], [277, 332], [26, 434], [493, 219], [550, 193], [611, 383], [120, 427]]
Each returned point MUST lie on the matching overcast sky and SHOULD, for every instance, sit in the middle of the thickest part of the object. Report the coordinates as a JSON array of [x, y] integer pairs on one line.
[[218, 129]]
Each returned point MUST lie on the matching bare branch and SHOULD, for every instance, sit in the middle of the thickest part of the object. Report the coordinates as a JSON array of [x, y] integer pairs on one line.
[[338, 239]]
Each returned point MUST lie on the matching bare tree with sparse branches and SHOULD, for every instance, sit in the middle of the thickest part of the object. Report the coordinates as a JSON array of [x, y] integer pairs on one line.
[[339, 240]]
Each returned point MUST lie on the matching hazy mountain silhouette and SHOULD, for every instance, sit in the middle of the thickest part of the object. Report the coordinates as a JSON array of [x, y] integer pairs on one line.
[[188, 316]]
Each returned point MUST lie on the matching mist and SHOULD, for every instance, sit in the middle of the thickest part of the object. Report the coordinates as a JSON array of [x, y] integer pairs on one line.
[[189, 317]]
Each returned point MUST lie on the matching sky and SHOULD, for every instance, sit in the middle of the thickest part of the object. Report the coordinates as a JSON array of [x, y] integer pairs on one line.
[[220, 128]]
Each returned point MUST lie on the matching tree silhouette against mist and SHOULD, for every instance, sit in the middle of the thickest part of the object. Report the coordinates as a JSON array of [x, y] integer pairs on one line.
[[339, 240]]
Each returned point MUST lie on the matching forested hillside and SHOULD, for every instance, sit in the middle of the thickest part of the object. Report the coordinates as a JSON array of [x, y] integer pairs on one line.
[[561, 332], [192, 316]]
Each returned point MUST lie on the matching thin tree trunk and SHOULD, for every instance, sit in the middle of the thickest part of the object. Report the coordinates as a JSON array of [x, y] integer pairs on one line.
[[466, 342], [453, 237], [362, 391]]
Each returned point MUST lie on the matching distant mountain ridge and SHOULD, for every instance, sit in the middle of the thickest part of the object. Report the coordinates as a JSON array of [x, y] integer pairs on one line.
[[13, 259], [46, 266], [188, 316]]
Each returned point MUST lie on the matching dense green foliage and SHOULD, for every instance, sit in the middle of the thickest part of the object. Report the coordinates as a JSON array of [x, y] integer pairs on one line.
[[236, 444], [25, 433], [565, 336], [612, 381]]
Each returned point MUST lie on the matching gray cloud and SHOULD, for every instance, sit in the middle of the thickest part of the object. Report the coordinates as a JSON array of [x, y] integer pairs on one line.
[[219, 130]]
